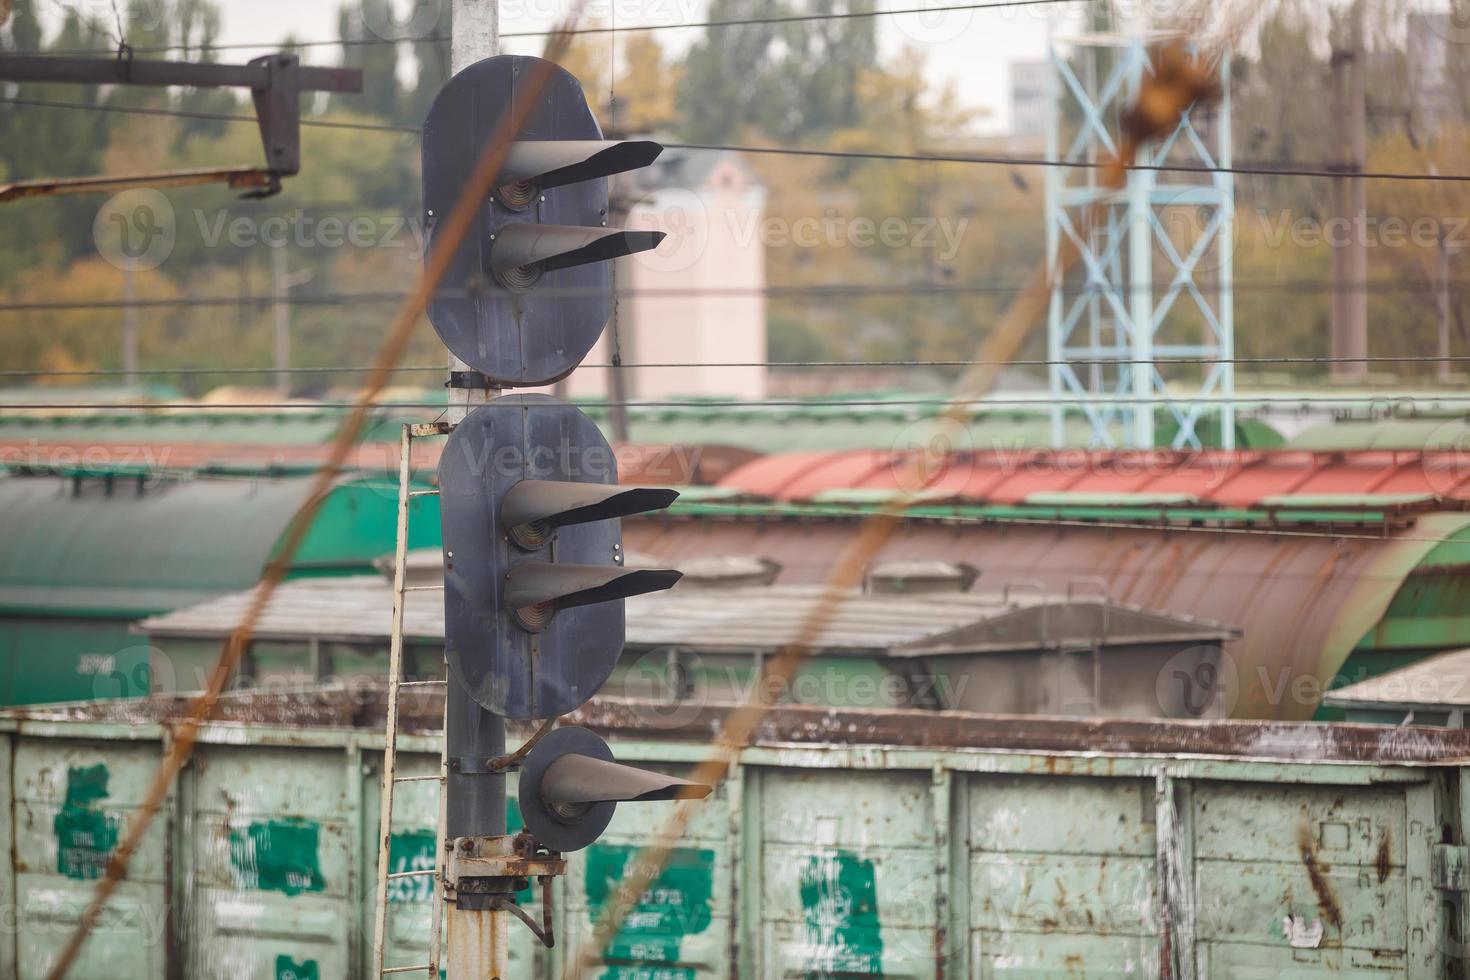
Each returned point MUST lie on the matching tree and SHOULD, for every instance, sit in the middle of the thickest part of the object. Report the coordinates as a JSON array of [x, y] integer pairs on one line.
[[789, 81], [646, 88], [381, 95]]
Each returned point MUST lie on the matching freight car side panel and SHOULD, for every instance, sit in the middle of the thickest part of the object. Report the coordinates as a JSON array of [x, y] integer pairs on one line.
[[1303, 881], [272, 860], [10, 927], [71, 800], [1063, 874], [847, 874]]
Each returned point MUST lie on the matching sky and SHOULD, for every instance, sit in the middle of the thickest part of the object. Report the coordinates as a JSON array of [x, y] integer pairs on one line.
[[972, 50]]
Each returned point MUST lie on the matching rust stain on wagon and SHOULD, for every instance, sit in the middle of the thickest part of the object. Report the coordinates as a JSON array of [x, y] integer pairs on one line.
[[1317, 872], [1383, 860]]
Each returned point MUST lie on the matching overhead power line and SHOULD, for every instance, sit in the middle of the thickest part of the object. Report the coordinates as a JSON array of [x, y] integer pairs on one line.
[[800, 18], [193, 114], [1039, 402], [777, 365], [834, 291], [1252, 168], [1260, 168]]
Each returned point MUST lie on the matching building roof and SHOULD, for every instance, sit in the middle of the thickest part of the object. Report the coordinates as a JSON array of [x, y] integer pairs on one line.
[[1240, 479], [737, 620], [1442, 681]]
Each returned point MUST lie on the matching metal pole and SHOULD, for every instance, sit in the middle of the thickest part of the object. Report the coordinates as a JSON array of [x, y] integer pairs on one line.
[[1442, 290], [1349, 257], [281, 285], [283, 321], [475, 804], [1140, 275], [130, 328]]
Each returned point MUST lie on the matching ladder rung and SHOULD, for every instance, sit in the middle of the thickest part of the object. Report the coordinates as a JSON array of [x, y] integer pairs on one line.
[[421, 968], [423, 493], [423, 588], [416, 779], [438, 683], [413, 874]]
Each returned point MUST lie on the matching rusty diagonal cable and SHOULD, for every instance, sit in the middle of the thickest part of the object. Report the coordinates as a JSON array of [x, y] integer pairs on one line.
[[452, 231], [1180, 79]]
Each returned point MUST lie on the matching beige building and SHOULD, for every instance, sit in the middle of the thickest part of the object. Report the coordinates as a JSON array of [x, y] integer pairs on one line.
[[699, 298]]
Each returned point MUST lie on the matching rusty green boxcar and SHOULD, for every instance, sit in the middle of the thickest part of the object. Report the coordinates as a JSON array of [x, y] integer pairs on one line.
[[845, 843]]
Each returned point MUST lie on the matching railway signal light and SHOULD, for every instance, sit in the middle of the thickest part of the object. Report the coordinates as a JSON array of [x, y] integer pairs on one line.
[[530, 289], [570, 785], [530, 504], [533, 558]]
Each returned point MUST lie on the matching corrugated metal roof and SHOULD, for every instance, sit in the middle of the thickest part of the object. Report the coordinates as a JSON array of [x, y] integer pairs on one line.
[[1442, 681], [1240, 479], [358, 608]]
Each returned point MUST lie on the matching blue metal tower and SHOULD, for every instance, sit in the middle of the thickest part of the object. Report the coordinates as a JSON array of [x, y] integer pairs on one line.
[[1144, 320]]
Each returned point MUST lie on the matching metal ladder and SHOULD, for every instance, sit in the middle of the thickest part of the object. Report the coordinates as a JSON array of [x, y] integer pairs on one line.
[[391, 779]]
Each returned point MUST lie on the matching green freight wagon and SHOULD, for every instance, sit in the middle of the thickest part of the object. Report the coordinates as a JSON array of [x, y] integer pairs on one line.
[[87, 553], [844, 843]]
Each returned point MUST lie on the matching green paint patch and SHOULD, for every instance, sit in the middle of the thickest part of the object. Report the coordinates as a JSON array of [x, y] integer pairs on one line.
[[412, 850], [277, 855], [85, 833], [514, 824], [288, 969], [839, 897], [676, 905]]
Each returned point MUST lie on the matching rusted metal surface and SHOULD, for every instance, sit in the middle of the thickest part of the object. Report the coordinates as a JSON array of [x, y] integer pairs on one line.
[[364, 707], [1238, 479], [246, 178], [1302, 602], [902, 844]]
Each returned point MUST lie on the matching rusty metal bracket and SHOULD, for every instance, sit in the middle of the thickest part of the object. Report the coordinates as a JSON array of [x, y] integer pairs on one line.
[[486, 872], [505, 858], [504, 762], [545, 931], [275, 81]]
